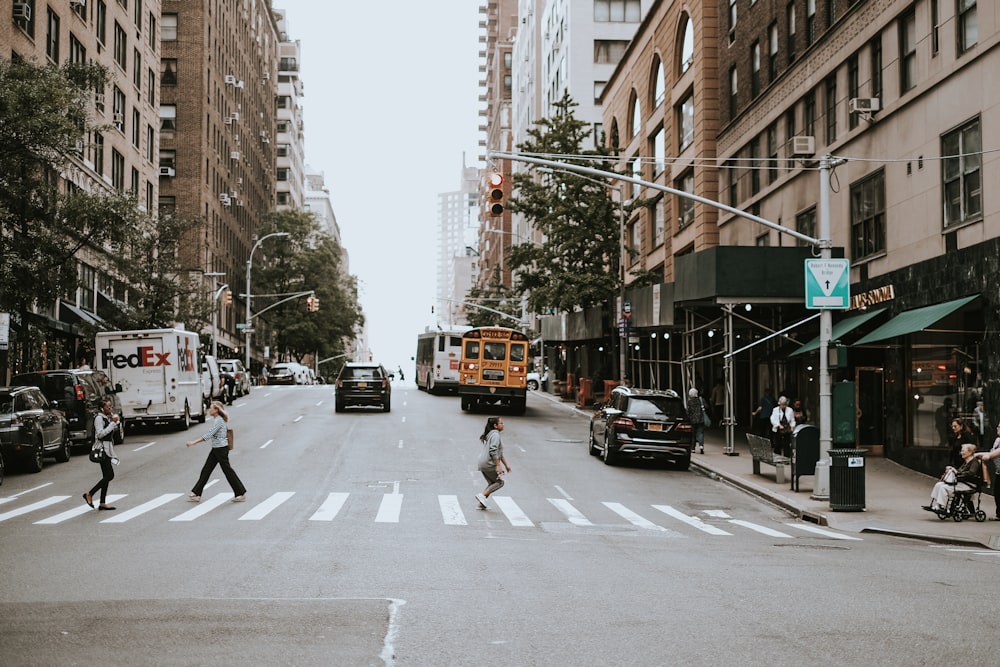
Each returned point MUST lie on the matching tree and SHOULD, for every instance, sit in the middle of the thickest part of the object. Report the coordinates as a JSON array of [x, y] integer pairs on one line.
[[576, 265], [496, 297]]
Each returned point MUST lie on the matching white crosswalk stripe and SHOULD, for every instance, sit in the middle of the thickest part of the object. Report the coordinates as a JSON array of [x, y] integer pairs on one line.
[[388, 509]]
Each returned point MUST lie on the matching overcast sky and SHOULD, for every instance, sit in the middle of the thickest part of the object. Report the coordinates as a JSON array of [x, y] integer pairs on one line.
[[391, 103]]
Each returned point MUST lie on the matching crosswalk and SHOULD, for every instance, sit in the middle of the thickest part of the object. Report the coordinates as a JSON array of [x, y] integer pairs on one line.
[[663, 520]]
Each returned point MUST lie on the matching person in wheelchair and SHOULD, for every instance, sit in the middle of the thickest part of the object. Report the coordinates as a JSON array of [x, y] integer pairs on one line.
[[966, 479]]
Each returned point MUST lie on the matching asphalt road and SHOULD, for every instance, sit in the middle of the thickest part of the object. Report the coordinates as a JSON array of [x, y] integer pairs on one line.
[[361, 544]]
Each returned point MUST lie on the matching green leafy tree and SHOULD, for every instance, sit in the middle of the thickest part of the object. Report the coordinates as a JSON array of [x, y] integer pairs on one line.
[[576, 265], [496, 297]]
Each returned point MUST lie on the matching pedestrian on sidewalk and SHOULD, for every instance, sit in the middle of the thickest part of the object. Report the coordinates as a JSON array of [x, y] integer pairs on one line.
[[782, 425], [969, 477], [994, 455], [491, 459], [762, 413], [105, 425], [218, 455], [696, 414], [961, 434]]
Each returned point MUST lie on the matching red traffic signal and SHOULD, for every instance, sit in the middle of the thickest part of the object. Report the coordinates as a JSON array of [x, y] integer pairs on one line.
[[494, 194]]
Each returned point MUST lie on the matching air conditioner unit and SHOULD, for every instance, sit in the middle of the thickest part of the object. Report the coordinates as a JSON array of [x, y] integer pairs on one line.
[[230, 80], [863, 104], [227, 121], [803, 146], [78, 3], [119, 118], [168, 172], [22, 11], [267, 76], [234, 195], [239, 181], [239, 84], [234, 116], [224, 198], [99, 99], [235, 155]]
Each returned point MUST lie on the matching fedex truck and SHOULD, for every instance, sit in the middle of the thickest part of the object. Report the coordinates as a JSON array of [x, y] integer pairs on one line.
[[159, 371]]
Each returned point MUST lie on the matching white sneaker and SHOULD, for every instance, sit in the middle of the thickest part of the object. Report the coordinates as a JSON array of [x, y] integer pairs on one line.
[[482, 500]]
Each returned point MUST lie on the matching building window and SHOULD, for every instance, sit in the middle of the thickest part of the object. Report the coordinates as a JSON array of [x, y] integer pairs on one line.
[[283, 150], [77, 51], [88, 281], [609, 51], [52, 36], [732, 16], [101, 22], [599, 90], [168, 121], [659, 221], [97, 153], [733, 91], [831, 13], [617, 11], [732, 183], [117, 170], [134, 188], [936, 28], [685, 122], [809, 114], [961, 173], [121, 47], [805, 223], [868, 215], [152, 31], [754, 70], [636, 115], [687, 46], [772, 153], [150, 143], [80, 9], [283, 198], [118, 109], [282, 173], [790, 30], [150, 87], [168, 28], [853, 87], [810, 22], [772, 52], [659, 150], [634, 241], [659, 84], [136, 128], [168, 159], [789, 133], [636, 173], [754, 148], [907, 50], [830, 95], [968, 28], [875, 51], [137, 69], [685, 206], [763, 240], [284, 102]]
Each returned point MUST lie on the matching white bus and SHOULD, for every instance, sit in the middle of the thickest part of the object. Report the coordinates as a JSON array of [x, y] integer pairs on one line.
[[438, 356]]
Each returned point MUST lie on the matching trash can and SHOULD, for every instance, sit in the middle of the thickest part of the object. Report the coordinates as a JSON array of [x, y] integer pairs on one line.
[[805, 452], [585, 394], [847, 480]]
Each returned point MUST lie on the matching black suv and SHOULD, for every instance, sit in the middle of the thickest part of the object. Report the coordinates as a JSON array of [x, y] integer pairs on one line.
[[642, 424], [363, 384], [31, 429], [78, 392]]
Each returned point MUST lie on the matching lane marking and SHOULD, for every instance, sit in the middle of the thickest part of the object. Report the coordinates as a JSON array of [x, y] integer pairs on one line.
[[266, 507], [328, 510], [718, 514], [404, 420], [511, 510], [148, 444], [760, 529], [400, 444], [825, 533], [573, 514], [15, 496], [298, 419], [142, 509], [319, 404], [389, 508], [692, 521], [77, 511], [204, 507], [451, 511], [634, 518], [52, 500], [564, 494], [266, 444]]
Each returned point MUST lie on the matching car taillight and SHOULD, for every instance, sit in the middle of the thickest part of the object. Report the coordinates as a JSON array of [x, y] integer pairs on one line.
[[340, 383], [683, 426], [79, 392], [385, 383], [623, 422]]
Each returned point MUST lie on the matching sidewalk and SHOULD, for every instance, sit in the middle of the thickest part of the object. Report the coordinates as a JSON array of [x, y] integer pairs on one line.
[[893, 495]]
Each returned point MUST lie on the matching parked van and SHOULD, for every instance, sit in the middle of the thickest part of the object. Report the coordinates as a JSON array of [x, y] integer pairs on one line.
[[78, 393]]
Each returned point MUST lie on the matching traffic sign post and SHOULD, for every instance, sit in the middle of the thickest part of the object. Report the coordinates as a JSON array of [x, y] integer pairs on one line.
[[828, 284]]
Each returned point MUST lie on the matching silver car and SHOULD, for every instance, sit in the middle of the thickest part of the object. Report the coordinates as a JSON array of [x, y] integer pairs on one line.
[[240, 375]]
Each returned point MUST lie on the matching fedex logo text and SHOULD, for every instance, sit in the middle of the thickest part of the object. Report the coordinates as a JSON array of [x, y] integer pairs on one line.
[[143, 357]]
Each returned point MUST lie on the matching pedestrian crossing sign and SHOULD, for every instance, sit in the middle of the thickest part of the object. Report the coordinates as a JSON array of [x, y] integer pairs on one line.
[[828, 285]]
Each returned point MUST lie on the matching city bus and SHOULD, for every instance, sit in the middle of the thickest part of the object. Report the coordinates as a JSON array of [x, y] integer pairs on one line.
[[438, 356], [494, 368]]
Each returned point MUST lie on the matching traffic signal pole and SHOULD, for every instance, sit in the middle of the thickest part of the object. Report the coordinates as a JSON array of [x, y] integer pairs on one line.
[[824, 244]]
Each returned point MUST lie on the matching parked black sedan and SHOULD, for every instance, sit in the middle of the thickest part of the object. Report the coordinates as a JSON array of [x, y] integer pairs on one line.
[[31, 429], [642, 424]]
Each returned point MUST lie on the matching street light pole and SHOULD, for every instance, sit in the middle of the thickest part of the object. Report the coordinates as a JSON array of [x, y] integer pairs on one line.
[[246, 321], [215, 308]]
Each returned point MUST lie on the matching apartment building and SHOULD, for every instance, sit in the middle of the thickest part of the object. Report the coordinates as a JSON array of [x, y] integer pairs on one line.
[[457, 254], [218, 76], [290, 149], [887, 94], [124, 36]]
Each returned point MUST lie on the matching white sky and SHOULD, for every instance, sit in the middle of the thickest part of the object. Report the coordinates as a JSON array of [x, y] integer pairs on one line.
[[391, 103]]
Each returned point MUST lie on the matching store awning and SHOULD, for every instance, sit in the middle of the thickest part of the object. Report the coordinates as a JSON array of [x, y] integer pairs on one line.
[[917, 319], [72, 314], [840, 329]]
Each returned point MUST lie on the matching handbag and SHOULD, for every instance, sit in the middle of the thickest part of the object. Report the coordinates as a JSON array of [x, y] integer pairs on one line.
[[704, 412], [230, 438], [97, 453]]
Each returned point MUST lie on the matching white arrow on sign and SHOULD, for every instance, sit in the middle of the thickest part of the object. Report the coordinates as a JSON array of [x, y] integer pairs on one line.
[[828, 274]]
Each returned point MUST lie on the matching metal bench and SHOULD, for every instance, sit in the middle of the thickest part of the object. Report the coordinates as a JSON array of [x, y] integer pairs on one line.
[[760, 449]]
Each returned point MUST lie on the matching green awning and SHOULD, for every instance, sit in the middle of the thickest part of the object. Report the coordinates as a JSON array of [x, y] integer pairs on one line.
[[915, 320], [840, 329]]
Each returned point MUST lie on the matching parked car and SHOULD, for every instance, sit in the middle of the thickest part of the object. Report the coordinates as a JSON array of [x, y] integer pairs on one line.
[[281, 373], [642, 424], [213, 383], [78, 392], [536, 379], [241, 378], [31, 429], [363, 384]]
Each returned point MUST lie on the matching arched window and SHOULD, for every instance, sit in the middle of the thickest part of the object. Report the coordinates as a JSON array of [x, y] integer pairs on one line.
[[687, 44], [659, 86], [636, 115], [614, 138]]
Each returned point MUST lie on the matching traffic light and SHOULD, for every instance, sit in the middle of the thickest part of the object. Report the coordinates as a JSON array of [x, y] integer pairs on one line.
[[312, 303], [227, 297], [315, 304], [494, 194]]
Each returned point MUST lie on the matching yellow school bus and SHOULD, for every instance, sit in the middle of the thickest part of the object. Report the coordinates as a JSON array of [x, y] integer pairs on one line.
[[494, 368]]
